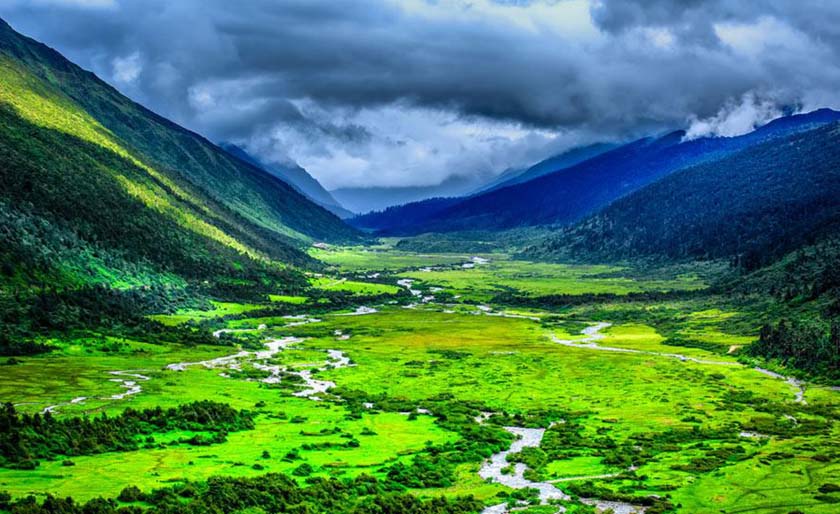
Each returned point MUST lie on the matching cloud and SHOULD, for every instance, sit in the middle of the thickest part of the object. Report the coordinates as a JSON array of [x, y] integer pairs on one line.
[[128, 68], [416, 91], [736, 118]]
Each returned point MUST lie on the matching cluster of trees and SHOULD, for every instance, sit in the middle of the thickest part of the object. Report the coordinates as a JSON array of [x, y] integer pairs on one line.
[[555, 301], [806, 346], [268, 493], [25, 438], [26, 316]]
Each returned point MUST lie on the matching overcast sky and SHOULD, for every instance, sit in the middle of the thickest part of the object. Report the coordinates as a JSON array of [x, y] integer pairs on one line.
[[410, 92]]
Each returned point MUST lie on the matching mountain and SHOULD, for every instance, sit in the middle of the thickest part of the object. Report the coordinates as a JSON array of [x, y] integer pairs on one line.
[[296, 177], [753, 207], [401, 217], [96, 189], [546, 166], [370, 199], [566, 196]]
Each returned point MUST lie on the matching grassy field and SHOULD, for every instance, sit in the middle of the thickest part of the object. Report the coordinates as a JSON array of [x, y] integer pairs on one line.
[[499, 274], [660, 404], [352, 286]]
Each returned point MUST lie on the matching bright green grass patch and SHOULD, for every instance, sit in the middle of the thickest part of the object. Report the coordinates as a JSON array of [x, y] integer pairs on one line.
[[219, 310], [352, 286], [577, 467], [106, 474], [645, 338], [370, 259], [280, 298], [483, 281]]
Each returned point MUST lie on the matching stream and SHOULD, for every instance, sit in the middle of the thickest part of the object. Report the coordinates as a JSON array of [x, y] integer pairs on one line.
[[531, 438], [259, 360]]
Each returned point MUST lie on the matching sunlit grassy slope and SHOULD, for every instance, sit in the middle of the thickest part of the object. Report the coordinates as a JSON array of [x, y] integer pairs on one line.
[[98, 189]]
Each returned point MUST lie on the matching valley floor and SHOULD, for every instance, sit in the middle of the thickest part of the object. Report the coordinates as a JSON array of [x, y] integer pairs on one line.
[[634, 403]]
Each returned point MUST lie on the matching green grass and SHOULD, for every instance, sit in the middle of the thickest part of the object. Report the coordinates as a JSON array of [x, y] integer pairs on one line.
[[542, 279], [352, 286], [296, 300], [636, 401], [219, 310], [378, 259]]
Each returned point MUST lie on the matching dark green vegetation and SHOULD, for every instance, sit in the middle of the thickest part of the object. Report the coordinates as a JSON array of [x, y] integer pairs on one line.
[[268, 493], [26, 438], [109, 212], [803, 346]]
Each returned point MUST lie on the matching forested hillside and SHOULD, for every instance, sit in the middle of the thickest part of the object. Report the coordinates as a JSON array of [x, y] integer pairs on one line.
[[82, 162], [570, 194], [97, 191], [753, 207]]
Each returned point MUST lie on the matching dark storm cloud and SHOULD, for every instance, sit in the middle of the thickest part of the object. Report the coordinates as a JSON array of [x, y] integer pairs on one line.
[[334, 84]]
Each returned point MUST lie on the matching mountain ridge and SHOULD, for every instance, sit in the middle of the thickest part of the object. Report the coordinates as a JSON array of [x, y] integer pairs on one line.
[[110, 192], [567, 195], [295, 176]]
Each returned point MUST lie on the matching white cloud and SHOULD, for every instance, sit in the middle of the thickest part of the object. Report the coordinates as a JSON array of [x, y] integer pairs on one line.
[[736, 118], [127, 69], [405, 146], [763, 35]]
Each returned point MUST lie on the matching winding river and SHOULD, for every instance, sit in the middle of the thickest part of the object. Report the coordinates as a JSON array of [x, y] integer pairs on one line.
[[493, 470]]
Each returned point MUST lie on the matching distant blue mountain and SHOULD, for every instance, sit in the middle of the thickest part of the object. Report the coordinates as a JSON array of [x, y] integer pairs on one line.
[[567, 195], [400, 217], [370, 199], [550, 165]]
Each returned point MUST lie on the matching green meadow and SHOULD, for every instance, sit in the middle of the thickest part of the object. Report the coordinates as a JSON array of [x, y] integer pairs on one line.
[[659, 408]]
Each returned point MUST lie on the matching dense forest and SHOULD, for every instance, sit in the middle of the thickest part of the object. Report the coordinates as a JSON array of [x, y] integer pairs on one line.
[[805, 346]]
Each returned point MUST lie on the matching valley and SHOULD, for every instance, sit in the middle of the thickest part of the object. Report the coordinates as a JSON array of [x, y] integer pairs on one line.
[[636, 396], [608, 298]]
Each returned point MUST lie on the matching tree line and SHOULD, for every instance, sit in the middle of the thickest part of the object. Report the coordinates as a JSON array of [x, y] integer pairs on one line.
[[267, 493], [24, 438], [807, 346]]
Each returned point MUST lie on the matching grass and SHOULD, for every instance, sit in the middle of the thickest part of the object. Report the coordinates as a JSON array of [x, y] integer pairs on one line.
[[665, 414], [381, 259], [219, 310], [295, 300], [541, 279], [352, 286]]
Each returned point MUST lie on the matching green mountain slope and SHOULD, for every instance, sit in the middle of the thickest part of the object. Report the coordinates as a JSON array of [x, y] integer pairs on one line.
[[99, 186], [753, 207]]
